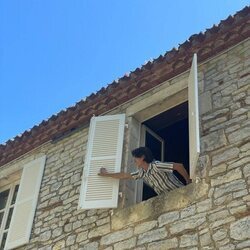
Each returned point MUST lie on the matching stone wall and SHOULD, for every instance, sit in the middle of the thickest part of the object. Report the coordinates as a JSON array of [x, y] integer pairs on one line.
[[211, 214]]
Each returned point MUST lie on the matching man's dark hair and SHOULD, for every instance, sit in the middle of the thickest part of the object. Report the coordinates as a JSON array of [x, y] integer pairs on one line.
[[143, 151]]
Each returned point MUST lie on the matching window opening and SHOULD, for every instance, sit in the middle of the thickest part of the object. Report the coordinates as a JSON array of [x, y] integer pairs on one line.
[[7, 203], [172, 127]]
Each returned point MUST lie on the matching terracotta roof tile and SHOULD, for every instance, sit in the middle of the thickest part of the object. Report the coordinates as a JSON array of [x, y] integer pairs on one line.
[[214, 40]]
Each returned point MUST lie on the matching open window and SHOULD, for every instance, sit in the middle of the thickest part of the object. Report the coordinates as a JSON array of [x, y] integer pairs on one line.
[[168, 139], [172, 135]]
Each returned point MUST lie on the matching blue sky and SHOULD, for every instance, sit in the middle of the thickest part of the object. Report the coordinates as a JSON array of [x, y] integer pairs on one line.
[[53, 53]]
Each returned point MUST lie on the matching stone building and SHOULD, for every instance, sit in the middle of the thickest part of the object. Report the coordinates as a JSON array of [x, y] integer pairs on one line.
[[48, 175]]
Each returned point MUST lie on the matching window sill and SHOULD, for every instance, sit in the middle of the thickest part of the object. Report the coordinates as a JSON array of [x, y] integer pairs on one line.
[[154, 207]]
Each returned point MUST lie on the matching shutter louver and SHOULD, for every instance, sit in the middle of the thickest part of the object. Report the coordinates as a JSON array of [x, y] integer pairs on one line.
[[25, 207], [193, 117], [104, 149]]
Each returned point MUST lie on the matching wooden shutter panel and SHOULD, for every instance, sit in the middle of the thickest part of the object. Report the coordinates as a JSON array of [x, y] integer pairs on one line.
[[193, 117], [104, 149], [24, 210]]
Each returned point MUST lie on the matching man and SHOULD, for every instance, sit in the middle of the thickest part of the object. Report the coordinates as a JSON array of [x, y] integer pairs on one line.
[[158, 175]]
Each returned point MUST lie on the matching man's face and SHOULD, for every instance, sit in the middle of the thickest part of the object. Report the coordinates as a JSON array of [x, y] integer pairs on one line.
[[139, 161]]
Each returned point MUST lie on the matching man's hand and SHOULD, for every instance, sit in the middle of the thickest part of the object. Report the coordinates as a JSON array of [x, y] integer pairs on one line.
[[103, 172]]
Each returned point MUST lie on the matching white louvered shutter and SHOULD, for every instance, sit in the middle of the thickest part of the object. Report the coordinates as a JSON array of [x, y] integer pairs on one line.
[[24, 210], [193, 117], [104, 149]]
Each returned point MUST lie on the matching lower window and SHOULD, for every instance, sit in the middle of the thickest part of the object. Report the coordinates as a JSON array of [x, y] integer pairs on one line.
[[8, 196]]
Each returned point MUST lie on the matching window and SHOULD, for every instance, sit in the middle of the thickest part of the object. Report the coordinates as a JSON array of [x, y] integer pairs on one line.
[[105, 139], [7, 202], [167, 136]]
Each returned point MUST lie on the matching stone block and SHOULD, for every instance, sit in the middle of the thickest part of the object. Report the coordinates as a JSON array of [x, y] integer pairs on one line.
[[164, 244], [220, 234], [81, 236], [213, 141], [126, 244], [218, 169], [229, 90], [235, 185], [189, 240], [117, 236], [225, 156], [205, 103], [144, 227], [70, 240], [239, 135], [205, 239], [153, 235], [168, 218], [204, 205], [228, 177], [99, 231], [240, 230], [224, 221], [188, 211], [90, 246], [188, 223], [215, 114]]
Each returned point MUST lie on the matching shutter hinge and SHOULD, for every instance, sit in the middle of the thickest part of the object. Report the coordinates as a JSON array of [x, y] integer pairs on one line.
[[126, 125]]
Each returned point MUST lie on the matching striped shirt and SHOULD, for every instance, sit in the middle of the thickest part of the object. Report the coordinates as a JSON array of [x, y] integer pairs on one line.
[[159, 176]]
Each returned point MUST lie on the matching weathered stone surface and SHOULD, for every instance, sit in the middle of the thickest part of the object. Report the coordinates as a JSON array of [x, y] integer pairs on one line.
[[246, 170], [239, 135], [218, 113], [221, 222], [126, 244], [164, 244], [57, 232], [228, 177], [205, 239], [204, 205], [144, 227], [214, 123], [216, 215], [153, 235], [188, 211], [59, 245], [81, 236], [240, 230], [220, 234], [70, 240], [244, 245], [189, 240], [91, 246], [99, 231], [213, 141], [229, 187], [188, 223], [205, 103], [224, 156], [218, 169], [168, 218], [238, 162], [116, 236], [45, 236]]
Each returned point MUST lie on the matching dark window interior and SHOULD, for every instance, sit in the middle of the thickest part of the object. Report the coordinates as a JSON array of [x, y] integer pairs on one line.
[[172, 126]]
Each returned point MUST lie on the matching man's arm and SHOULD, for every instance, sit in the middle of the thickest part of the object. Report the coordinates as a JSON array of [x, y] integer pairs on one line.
[[180, 169], [103, 172]]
